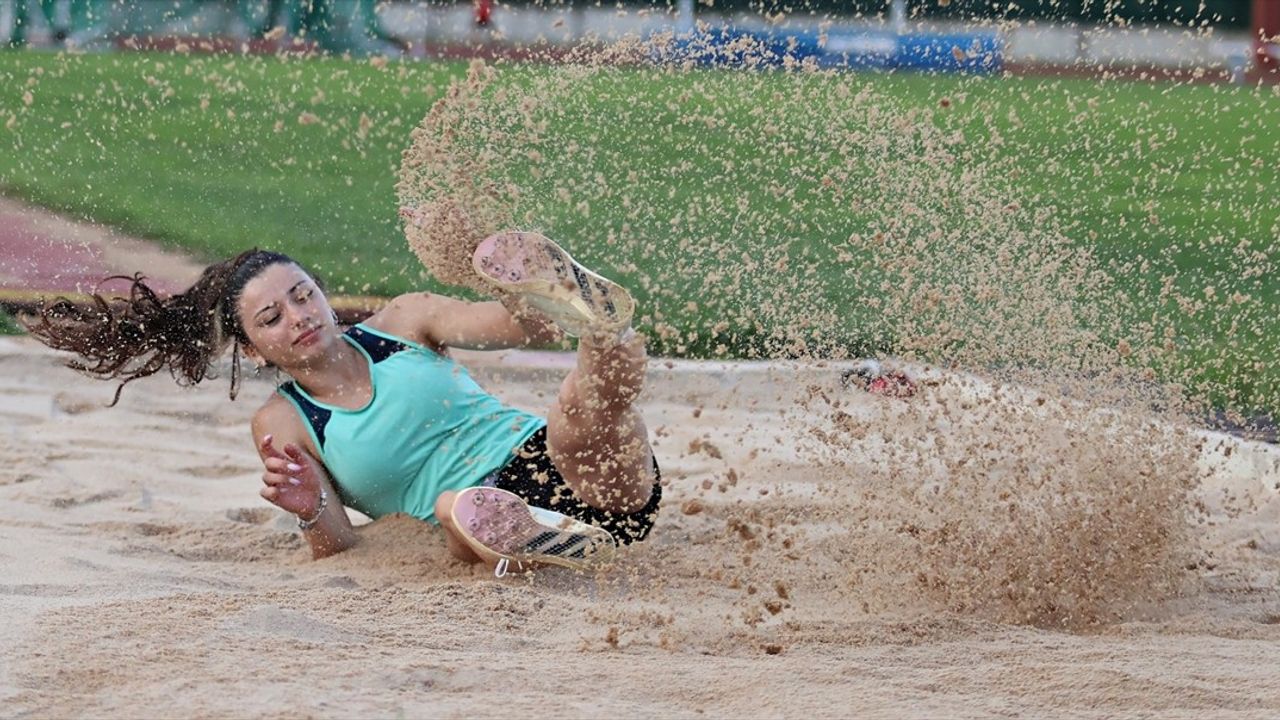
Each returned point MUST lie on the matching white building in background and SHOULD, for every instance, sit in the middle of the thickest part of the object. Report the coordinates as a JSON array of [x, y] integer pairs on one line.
[[423, 25]]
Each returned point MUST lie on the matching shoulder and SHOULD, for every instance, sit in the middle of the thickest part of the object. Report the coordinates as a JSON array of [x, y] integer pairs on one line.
[[278, 418], [276, 415], [412, 316]]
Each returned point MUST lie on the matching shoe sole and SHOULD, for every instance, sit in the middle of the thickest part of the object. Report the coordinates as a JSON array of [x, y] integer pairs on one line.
[[499, 525], [577, 300]]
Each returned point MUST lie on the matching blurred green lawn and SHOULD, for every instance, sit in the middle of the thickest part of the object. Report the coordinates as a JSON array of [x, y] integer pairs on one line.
[[216, 154]]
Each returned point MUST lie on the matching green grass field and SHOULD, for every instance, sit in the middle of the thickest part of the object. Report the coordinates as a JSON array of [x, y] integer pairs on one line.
[[8, 326], [217, 154]]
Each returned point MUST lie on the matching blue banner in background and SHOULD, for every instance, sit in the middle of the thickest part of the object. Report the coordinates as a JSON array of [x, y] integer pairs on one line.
[[971, 52]]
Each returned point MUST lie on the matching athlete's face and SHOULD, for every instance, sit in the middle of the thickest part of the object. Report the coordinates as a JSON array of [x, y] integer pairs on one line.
[[287, 319]]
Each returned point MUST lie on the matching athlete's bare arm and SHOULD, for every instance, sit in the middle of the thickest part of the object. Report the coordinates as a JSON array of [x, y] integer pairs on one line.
[[439, 321], [294, 477]]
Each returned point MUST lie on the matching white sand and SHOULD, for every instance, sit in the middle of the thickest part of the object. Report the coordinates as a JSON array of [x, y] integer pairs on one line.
[[144, 577]]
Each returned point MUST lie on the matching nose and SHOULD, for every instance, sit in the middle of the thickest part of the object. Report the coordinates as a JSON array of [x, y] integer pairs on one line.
[[299, 316]]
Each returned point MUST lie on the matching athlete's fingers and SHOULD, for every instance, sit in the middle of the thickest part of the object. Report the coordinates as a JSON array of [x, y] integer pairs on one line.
[[282, 466], [279, 479], [270, 494], [268, 448], [294, 453]]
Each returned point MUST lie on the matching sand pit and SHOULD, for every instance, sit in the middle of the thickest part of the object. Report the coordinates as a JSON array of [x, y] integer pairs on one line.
[[144, 576]]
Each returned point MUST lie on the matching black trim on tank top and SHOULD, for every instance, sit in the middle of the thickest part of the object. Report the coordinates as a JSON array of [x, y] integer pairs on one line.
[[316, 415], [379, 349]]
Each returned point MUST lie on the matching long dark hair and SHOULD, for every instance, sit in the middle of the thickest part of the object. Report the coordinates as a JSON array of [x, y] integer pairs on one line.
[[141, 333]]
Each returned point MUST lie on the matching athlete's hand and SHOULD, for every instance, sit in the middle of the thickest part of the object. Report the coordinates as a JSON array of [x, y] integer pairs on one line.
[[291, 480]]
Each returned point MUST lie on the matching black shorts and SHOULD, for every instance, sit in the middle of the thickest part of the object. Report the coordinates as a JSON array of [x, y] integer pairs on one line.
[[533, 476]]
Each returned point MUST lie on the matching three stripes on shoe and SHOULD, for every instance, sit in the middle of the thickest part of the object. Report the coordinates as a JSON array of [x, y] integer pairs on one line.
[[585, 286], [549, 544], [554, 543]]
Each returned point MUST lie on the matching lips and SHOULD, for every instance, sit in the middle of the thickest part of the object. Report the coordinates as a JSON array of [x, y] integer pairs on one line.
[[307, 336]]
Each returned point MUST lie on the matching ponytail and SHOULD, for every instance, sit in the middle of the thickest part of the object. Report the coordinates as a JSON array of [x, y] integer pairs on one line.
[[141, 333]]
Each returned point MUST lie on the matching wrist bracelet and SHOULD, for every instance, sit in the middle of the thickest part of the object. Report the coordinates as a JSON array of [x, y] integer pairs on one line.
[[308, 524]]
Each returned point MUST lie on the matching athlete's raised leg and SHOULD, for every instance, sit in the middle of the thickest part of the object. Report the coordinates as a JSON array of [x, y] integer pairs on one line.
[[595, 436]]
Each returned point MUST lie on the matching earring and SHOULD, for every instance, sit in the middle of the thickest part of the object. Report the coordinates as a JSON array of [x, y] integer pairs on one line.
[[257, 370], [335, 315]]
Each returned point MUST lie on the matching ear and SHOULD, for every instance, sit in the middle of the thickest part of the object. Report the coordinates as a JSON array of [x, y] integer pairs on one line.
[[252, 353]]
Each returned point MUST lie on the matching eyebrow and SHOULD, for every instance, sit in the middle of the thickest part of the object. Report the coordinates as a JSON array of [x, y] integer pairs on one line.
[[295, 287]]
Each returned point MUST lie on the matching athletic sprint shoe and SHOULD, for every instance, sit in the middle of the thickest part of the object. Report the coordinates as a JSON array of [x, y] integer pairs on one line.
[[531, 266], [500, 526], [872, 377]]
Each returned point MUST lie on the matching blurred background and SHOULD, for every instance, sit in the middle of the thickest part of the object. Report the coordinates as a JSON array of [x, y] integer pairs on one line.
[[1224, 37], [1140, 135]]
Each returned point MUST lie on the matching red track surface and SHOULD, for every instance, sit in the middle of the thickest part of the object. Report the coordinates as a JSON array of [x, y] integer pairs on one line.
[[43, 256], [33, 260]]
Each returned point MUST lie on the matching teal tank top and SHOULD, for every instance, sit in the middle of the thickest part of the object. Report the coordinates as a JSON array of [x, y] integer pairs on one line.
[[427, 429]]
